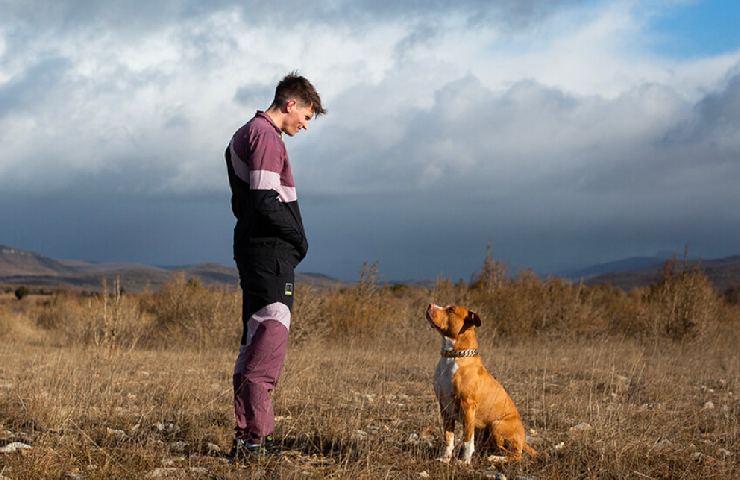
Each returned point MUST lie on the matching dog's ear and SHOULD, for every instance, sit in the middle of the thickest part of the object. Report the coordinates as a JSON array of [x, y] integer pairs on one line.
[[473, 319]]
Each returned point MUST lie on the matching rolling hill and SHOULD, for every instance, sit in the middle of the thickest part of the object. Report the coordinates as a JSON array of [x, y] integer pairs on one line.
[[23, 267]]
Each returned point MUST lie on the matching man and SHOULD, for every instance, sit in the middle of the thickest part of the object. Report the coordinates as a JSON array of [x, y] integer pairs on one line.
[[269, 241]]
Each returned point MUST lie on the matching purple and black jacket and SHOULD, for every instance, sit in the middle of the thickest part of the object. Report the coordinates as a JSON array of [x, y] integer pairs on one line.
[[263, 193]]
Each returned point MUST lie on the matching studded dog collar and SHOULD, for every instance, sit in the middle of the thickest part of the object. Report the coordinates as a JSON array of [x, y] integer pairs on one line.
[[470, 352]]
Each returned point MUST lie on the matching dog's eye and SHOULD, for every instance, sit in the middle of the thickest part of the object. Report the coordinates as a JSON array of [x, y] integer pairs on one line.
[[449, 309]]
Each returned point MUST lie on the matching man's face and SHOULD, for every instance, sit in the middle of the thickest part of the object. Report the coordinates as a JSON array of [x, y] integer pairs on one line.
[[297, 118]]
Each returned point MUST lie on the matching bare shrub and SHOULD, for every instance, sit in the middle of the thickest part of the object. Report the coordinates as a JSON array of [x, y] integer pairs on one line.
[[514, 307], [732, 295], [111, 320], [627, 313], [445, 292], [683, 303], [309, 318], [355, 310], [528, 305], [492, 274], [21, 292], [187, 313], [370, 310], [18, 327]]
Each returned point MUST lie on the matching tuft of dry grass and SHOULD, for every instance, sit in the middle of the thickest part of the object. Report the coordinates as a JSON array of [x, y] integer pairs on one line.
[[610, 384]]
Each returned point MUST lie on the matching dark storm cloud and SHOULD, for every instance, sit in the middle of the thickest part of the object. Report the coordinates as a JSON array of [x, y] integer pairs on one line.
[[142, 15], [128, 15], [511, 13], [118, 226], [717, 115]]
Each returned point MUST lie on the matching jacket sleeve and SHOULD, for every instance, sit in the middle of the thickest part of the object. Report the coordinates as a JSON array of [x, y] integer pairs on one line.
[[264, 165]]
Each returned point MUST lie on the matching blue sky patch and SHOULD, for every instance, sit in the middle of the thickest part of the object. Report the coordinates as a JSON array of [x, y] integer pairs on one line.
[[707, 27]]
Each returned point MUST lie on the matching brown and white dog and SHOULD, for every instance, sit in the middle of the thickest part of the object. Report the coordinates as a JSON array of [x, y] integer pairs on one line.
[[467, 392]]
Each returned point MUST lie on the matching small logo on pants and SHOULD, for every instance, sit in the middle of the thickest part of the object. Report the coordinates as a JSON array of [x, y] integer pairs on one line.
[[289, 289]]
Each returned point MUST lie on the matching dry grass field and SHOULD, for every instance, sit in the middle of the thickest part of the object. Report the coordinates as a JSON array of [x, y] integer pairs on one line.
[[609, 385]]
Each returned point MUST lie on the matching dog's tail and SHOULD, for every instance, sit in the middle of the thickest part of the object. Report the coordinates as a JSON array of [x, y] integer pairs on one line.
[[531, 451]]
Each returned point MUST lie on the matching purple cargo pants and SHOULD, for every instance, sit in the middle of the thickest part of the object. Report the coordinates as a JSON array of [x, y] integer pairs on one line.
[[257, 370]]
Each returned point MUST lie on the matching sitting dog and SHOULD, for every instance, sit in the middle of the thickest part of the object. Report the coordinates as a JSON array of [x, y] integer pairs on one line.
[[467, 392]]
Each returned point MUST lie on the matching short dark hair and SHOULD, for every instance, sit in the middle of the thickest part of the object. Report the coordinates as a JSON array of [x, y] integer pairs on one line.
[[298, 87]]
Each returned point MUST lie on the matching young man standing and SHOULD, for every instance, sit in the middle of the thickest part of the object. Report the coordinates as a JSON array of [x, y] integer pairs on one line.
[[269, 241]]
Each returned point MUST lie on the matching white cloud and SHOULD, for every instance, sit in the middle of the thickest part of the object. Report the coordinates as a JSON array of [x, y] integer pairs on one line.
[[417, 99]]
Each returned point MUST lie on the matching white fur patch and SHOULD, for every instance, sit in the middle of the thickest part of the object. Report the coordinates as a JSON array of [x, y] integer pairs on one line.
[[468, 449], [443, 374]]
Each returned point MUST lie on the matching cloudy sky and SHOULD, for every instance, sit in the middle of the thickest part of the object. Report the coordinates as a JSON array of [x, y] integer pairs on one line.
[[564, 132]]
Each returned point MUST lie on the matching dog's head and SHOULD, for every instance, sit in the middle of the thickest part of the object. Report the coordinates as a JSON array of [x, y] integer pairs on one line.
[[452, 321]]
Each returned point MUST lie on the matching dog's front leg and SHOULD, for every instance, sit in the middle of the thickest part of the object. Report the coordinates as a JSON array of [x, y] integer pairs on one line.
[[448, 422], [468, 434]]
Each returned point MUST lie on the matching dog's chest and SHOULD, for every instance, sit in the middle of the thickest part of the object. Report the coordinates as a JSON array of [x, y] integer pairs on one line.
[[443, 375], [443, 378]]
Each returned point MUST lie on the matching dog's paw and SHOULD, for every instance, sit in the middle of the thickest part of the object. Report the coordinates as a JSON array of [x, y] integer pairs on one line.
[[497, 459], [444, 458], [464, 461]]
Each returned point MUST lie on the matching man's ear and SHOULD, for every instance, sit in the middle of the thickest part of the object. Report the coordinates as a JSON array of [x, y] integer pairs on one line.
[[473, 319]]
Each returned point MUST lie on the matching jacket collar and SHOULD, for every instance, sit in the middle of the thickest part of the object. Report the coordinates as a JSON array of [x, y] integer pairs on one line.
[[262, 114]]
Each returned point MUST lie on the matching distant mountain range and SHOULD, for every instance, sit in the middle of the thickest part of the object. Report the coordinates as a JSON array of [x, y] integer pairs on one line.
[[23, 267], [634, 272], [626, 265]]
